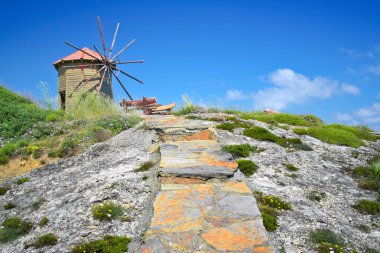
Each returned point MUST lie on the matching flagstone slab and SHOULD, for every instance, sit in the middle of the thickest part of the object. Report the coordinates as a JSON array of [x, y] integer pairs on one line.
[[211, 217]]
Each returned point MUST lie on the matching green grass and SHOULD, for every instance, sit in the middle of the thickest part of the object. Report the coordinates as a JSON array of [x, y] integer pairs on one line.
[[269, 222], [108, 244], [107, 211], [9, 205], [187, 108], [38, 203], [339, 134], [369, 176], [291, 167], [247, 167], [230, 126], [22, 180], [241, 150], [43, 222], [4, 190], [315, 195], [12, 228], [33, 131], [17, 114], [289, 119], [319, 236], [43, 241], [90, 106], [368, 207], [263, 134], [145, 166]]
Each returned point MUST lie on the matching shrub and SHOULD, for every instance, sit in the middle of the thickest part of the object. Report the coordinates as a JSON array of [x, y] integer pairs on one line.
[[68, 147], [145, 166], [107, 211], [38, 203], [108, 244], [272, 201], [9, 205], [43, 222], [241, 150], [14, 228], [269, 221], [329, 247], [43, 241], [35, 151], [270, 206], [326, 236], [291, 167], [316, 196], [22, 180], [368, 207], [247, 167], [4, 190], [53, 153]]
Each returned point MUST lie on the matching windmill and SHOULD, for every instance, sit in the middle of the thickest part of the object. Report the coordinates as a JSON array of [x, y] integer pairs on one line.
[[103, 63]]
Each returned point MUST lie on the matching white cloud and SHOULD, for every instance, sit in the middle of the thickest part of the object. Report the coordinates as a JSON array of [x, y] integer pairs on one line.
[[295, 88], [234, 94], [350, 89], [374, 69]]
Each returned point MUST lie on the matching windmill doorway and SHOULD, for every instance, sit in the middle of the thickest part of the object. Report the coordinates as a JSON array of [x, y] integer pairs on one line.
[[62, 97]]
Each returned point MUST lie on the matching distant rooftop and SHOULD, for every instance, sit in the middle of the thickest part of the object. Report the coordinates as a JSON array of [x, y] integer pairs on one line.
[[78, 55]]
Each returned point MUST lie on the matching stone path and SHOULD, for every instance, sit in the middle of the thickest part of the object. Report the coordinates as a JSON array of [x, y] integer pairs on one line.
[[200, 208]]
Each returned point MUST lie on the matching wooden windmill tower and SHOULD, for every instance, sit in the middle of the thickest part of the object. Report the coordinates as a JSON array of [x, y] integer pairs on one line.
[[90, 71]]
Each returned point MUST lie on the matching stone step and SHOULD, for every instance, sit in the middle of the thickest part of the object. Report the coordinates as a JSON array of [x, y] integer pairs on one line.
[[195, 159], [210, 217]]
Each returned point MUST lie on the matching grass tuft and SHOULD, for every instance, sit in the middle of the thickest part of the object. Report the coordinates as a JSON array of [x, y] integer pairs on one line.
[[43, 222], [326, 236], [291, 167], [368, 206], [4, 190], [108, 244], [43, 241], [22, 180], [38, 203], [12, 228], [241, 150], [289, 119], [107, 211], [145, 166], [9, 205], [247, 167]]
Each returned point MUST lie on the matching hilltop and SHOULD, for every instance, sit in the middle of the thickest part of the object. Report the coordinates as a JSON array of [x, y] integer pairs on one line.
[[324, 180]]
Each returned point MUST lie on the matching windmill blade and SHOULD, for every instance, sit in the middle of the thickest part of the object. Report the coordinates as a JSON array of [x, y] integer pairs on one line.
[[130, 43], [110, 81], [102, 36], [114, 39], [117, 78], [81, 83], [77, 48], [128, 62], [97, 50], [125, 73], [101, 81]]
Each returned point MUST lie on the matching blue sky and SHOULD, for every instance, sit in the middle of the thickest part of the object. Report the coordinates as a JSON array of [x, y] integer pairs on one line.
[[319, 57]]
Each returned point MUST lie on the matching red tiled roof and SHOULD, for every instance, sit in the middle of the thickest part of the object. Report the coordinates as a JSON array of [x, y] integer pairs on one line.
[[78, 55]]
